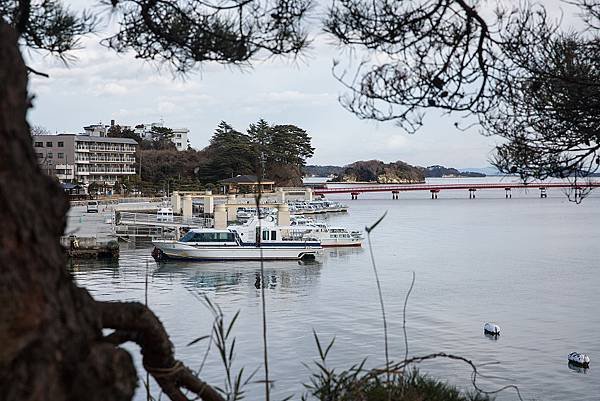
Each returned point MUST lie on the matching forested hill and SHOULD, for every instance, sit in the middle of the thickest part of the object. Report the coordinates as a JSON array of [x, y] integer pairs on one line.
[[372, 167], [322, 171], [441, 171], [380, 172]]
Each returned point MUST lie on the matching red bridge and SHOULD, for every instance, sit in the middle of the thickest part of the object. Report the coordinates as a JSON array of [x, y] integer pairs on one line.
[[472, 188]]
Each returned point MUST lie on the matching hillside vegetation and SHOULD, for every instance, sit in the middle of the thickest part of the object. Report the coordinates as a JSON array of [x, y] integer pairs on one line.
[[383, 173]]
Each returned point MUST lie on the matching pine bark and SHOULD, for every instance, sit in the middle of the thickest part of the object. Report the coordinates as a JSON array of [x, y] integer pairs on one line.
[[51, 344], [51, 341]]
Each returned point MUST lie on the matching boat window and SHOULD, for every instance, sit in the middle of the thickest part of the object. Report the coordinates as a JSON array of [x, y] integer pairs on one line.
[[273, 235], [208, 237], [187, 237]]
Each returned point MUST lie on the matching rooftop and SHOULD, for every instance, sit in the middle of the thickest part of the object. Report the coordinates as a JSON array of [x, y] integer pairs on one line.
[[88, 138]]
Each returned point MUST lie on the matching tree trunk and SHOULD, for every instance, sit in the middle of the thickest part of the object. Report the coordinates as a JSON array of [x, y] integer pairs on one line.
[[51, 341], [50, 336]]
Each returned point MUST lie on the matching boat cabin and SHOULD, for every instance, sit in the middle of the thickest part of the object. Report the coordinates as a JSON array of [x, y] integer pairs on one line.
[[221, 237]]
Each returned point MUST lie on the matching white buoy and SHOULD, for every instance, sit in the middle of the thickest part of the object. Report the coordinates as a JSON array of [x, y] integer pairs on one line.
[[491, 328], [579, 359]]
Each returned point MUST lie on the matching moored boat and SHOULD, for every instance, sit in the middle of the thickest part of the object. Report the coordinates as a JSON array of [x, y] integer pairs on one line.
[[328, 236], [252, 241], [335, 236]]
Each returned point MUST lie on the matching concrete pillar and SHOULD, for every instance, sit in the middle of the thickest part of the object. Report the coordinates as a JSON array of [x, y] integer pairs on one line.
[[231, 212], [187, 206], [231, 208], [176, 202], [220, 217], [209, 203], [280, 195], [283, 214], [308, 195]]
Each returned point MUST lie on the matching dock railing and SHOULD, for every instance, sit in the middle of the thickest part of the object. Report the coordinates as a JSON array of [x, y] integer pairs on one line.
[[149, 219]]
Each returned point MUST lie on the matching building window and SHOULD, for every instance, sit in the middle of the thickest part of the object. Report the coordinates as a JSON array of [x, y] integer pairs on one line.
[[61, 144], [178, 135], [178, 144], [61, 155], [39, 155], [39, 144], [49, 155], [48, 144]]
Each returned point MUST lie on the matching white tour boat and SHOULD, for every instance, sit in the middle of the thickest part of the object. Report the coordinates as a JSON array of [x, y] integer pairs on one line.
[[337, 236], [328, 236], [251, 241]]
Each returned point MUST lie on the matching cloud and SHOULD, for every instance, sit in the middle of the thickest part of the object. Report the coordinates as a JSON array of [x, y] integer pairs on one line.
[[111, 88], [290, 96], [396, 141], [166, 107], [102, 85]]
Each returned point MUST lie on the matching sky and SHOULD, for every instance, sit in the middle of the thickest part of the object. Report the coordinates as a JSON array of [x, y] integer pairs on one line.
[[100, 85]]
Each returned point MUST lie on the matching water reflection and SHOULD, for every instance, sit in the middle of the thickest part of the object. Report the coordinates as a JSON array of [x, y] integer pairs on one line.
[[93, 265], [342, 253], [290, 276], [577, 368], [490, 336]]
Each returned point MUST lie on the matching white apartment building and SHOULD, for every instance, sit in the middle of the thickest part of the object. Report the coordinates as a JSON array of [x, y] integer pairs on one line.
[[180, 138], [86, 158], [180, 135]]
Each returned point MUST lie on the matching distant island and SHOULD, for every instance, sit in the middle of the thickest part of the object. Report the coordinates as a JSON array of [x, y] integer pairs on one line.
[[385, 173], [441, 171], [377, 171]]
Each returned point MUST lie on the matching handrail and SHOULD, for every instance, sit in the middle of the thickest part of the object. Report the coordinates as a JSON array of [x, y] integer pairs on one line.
[[153, 219]]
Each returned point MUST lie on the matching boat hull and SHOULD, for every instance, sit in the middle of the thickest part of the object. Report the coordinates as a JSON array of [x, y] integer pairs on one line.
[[332, 244], [173, 250]]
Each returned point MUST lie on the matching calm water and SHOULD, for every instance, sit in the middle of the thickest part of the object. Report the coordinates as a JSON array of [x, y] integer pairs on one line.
[[529, 264]]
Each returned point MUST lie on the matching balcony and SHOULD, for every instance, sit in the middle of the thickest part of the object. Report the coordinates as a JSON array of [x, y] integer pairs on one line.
[[117, 149], [112, 171], [111, 160]]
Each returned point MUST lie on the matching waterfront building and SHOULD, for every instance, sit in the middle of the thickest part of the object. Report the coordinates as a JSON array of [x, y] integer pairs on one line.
[[180, 138], [180, 135], [86, 158], [246, 184]]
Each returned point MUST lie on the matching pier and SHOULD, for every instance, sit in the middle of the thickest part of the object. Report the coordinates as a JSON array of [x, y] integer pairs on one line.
[[472, 188]]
